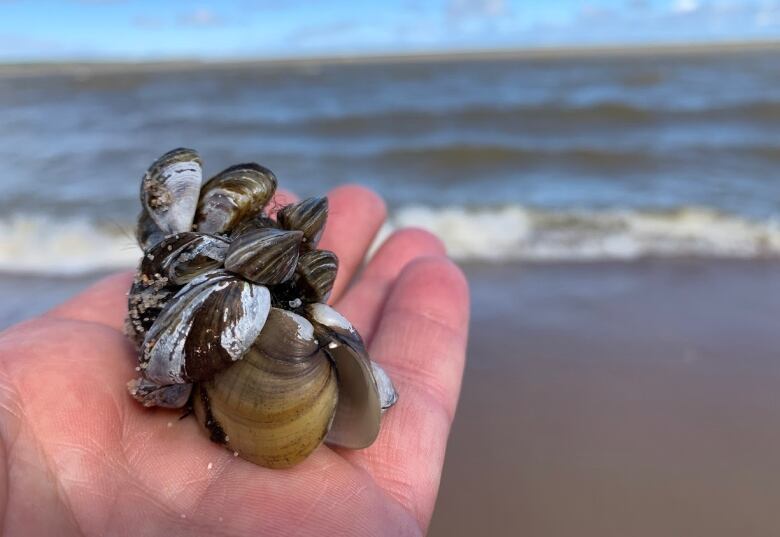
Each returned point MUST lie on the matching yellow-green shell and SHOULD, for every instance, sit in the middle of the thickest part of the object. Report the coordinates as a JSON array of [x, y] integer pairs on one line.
[[272, 412]]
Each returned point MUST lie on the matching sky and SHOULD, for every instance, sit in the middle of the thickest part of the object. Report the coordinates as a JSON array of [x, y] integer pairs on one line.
[[213, 29]]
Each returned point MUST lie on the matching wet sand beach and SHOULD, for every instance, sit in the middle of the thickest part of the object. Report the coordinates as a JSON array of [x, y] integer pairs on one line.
[[24, 296], [636, 400], [627, 399]]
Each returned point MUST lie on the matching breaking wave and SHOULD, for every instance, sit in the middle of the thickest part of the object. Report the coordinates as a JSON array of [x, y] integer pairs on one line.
[[521, 233], [38, 245], [43, 246]]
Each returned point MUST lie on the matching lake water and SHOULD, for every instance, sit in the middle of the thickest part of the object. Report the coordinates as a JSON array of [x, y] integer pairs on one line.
[[563, 159]]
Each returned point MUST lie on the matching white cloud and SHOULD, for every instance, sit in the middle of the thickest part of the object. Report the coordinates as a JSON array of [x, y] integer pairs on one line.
[[685, 6]]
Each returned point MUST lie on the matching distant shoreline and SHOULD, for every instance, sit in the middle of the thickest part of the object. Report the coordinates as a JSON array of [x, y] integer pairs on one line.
[[529, 54]]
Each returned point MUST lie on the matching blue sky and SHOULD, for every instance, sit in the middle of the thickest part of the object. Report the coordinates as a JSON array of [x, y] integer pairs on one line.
[[152, 29]]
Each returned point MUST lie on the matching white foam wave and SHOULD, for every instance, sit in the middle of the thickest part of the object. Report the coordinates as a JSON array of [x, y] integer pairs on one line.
[[39, 245], [520, 233]]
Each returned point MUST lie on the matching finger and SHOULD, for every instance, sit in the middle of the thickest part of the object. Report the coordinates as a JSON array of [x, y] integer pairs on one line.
[[355, 215], [421, 343], [106, 301], [363, 302]]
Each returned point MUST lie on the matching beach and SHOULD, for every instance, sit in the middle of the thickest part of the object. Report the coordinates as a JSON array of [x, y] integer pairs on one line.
[[617, 213], [618, 399], [602, 399]]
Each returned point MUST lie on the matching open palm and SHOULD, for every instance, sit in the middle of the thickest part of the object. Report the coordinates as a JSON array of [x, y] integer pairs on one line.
[[82, 458]]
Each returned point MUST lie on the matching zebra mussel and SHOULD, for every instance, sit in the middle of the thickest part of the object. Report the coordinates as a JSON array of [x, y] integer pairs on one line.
[[228, 313]]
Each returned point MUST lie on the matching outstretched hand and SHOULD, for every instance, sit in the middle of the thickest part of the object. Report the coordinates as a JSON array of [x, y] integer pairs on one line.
[[83, 458]]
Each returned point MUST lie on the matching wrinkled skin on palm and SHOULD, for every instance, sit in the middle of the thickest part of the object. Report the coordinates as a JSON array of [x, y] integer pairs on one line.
[[228, 313]]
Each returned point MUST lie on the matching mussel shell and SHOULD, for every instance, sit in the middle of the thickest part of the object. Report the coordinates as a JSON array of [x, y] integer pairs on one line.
[[233, 195], [165, 267], [272, 384], [182, 257], [315, 274], [359, 410], [258, 221], [308, 216], [147, 232], [204, 328], [152, 394], [286, 336], [387, 394], [145, 301], [265, 256], [270, 411], [170, 190]]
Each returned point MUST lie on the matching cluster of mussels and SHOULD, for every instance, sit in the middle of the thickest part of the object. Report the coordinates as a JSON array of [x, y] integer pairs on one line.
[[228, 313]]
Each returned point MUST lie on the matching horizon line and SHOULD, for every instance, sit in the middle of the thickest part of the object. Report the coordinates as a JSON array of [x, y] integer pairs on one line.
[[499, 53]]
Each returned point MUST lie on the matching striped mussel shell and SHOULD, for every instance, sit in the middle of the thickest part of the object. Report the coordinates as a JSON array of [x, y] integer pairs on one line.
[[307, 216], [227, 310], [265, 256], [165, 267], [151, 394], [147, 232], [209, 324], [232, 196], [182, 257], [259, 221], [170, 189], [315, 275]]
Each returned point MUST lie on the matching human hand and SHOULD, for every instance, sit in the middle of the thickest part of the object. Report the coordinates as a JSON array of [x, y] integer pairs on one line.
[[83, 458]]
